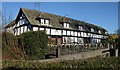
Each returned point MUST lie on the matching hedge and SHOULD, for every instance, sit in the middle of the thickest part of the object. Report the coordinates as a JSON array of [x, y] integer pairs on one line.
[[34, 43]]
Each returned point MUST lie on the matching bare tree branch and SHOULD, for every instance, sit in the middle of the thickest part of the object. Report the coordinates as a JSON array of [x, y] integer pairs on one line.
[[6, 19], [37, 5]]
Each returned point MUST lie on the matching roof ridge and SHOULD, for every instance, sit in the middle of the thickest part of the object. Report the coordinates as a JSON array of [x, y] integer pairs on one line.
[[31, 14]]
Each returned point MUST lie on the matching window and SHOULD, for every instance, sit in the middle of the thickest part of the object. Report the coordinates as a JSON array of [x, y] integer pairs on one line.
[[92, 30], [66, 25], [53, 31], [72, 39], [80, 27], [75, 33], [68, 32], [72, 33], [99, 31], [21, 22], [42, 21], [79, 34], [64, 40], [106, 32], [58, 32], [47, 31], [47, 22], [64, 32]]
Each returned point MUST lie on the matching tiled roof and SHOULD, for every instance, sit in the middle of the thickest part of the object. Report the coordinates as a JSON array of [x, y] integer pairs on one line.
[[55, 20]]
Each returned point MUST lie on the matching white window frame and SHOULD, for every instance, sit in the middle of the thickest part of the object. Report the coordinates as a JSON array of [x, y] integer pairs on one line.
[[47, 22], [42, 21], [92, 30]]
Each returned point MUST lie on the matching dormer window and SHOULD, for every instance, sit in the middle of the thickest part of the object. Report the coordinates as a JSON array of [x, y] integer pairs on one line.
[[92, 30], [80, 27], [66, 25], [43, 21], [99, 31], [106, 32], [47, 22]]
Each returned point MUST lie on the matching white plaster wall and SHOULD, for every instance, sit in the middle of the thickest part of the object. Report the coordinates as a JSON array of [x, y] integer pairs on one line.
[[85, 35], [68, 25], [100, 36], [13, 26], [68, 32], [15, 32], [25, 28], [58, 32], [64, 32], [47, 31], [75, 39], [41, 28], [18, 24], [72, 33], [47, 22], [88, 35], [28, 29], [21, 30], [80, 40], [63, 38], [35, 28], [75, 33], [53, 31], [65, 25], [79, 34], [94, 36], [42, 21], [72, 39], [99, 31], [82, 34], [18, 32]]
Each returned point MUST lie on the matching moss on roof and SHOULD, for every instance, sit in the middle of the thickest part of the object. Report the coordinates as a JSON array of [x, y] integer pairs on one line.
[[10, 24], [55, 20]]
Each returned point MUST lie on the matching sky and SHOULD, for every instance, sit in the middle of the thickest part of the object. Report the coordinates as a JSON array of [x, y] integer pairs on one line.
[[104, 14]]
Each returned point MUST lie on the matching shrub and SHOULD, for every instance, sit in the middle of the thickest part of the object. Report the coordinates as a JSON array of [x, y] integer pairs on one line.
[[8, 39], [10, 49], [35, 44]]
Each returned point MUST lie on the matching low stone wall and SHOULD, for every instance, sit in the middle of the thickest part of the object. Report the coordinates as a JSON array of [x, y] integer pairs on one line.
[[72, 49], [84, 55]]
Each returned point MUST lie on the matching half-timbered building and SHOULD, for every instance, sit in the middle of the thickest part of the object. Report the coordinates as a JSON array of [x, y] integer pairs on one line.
[[60, 29]]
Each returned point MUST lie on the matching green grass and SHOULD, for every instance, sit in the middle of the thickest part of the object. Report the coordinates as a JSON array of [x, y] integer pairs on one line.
[[97, 62]]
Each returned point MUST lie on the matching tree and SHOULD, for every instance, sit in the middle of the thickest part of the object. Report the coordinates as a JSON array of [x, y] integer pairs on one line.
[[112, 38], [10, 49], [6, 19]]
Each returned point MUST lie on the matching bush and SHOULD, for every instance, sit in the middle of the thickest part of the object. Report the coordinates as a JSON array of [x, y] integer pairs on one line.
[[100, 63], [10, 49], [35, 44], [8, 39]]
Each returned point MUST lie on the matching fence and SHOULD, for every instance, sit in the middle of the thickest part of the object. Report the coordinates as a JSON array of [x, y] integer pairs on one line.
[[71, 49]]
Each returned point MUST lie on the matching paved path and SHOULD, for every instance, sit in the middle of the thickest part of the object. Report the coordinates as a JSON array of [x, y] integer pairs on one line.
[[81, 55]]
